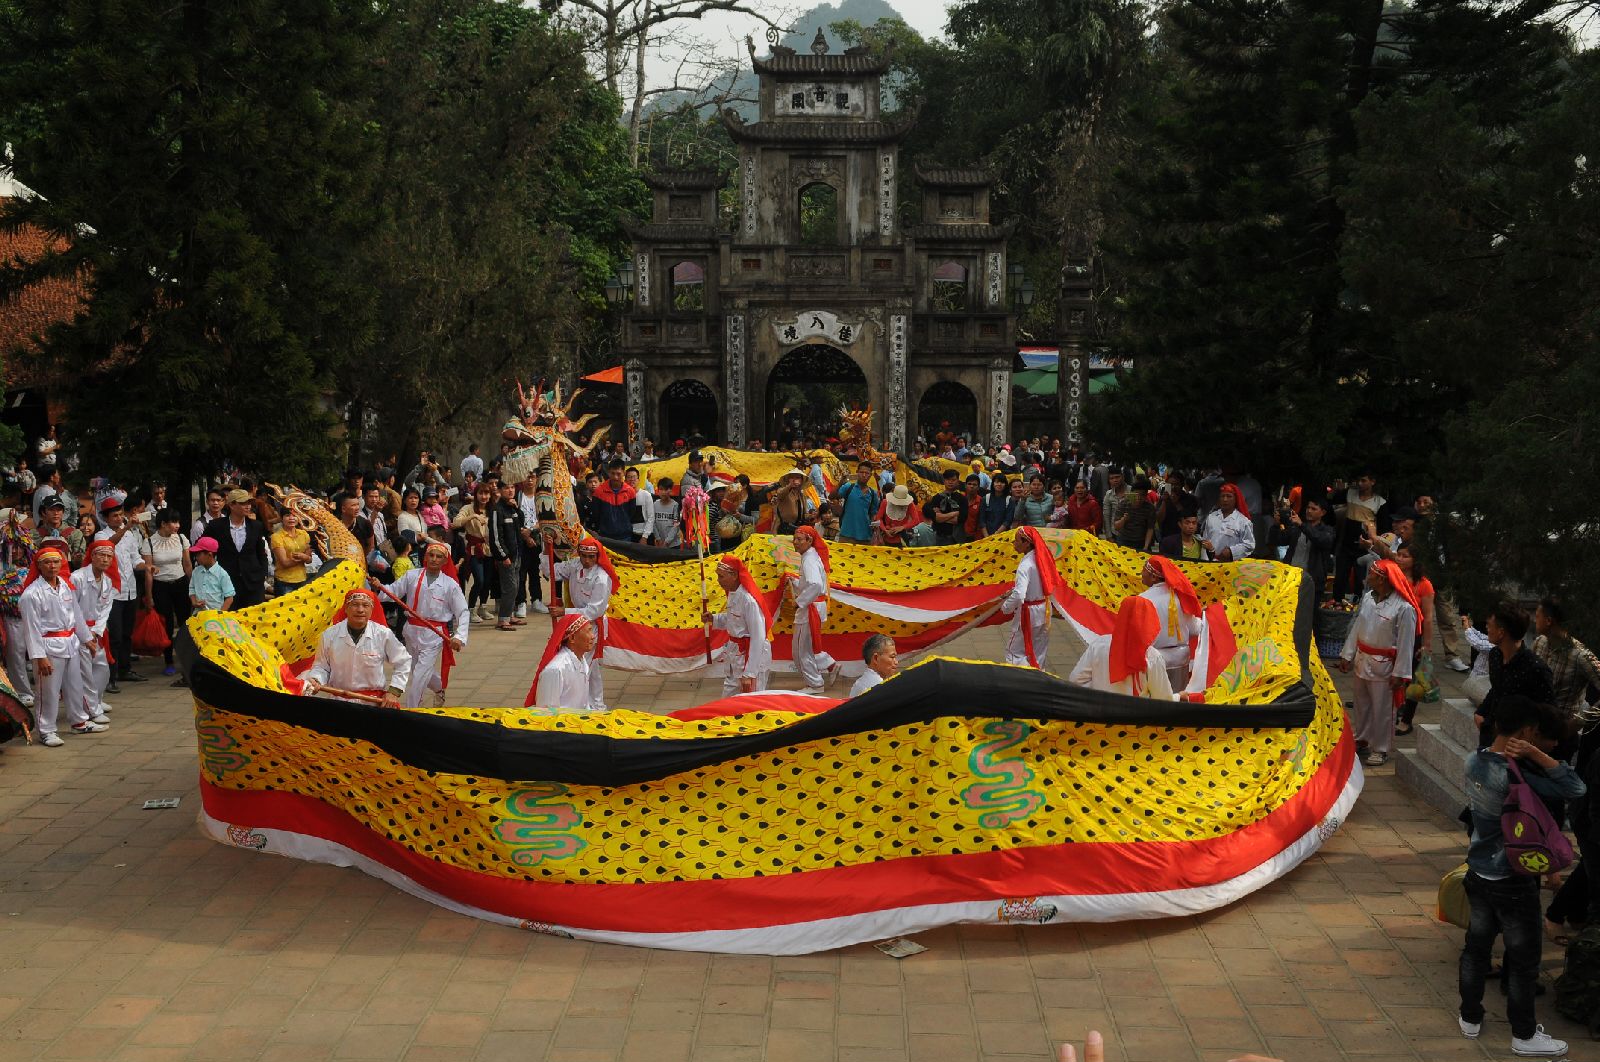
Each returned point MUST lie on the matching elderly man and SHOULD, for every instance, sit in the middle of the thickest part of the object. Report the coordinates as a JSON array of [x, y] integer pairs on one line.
[[810, 592], [359, 656], [95, 585], [883, 662], [1229, 535], [562, 677], [437, 622], [53, 628], [1178, 608], [590, 582], [746, 657], [1029, 602], [1379, 648]]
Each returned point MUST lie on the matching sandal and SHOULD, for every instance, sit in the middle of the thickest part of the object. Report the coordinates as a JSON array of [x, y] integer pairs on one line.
[[1556, 934], [504, 627]]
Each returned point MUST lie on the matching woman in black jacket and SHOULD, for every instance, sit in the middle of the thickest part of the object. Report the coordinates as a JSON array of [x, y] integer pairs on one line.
[[1307, 538]]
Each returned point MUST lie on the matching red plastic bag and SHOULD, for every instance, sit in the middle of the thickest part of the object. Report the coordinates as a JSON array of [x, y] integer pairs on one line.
[[149, 633]]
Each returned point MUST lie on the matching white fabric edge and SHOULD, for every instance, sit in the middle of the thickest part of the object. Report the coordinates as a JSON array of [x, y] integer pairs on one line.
[[628, 660], [906, 613], [800, 938]]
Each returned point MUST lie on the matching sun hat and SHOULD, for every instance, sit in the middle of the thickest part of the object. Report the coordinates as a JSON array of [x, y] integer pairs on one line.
[[238, 496]]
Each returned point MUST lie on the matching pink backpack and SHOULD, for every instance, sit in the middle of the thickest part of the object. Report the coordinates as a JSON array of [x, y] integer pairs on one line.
[[1535, 845]]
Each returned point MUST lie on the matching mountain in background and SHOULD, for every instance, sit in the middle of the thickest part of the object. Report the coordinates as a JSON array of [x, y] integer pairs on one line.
[[823, 16]]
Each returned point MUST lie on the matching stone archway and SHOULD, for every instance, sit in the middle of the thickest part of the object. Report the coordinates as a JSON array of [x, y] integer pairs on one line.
[[948, 402], [806, 388], [688, 411]]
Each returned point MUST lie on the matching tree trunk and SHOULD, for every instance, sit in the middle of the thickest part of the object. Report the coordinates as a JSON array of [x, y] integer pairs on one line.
[[638, 86]]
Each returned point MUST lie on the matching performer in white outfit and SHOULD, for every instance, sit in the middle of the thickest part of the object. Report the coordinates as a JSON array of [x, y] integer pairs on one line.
[[96, 585], [1380, 645], [747, 657], [879, 654], [590, 583], [360, 656], [562, 678], [1029, 603], [1126, 660], [53, 629], [810, 591], [1178, 608], [16, 553], [437, 623], [1229, 535]]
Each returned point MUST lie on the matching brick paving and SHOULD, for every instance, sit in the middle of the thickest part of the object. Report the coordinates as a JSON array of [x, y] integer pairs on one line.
[[125, 936]]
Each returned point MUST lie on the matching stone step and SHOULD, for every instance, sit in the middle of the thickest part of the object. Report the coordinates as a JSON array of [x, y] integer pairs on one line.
[[1442, 794], [1456, 717], [1440, 753]]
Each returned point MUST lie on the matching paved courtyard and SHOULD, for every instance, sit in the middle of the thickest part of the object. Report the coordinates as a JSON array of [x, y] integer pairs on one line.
[[125, 936]]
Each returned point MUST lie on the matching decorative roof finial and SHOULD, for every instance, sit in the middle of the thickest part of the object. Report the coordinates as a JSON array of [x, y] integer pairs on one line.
[[819, 44]]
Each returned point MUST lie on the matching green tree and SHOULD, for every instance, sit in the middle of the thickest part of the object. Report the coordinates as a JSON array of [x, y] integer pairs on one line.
[[504, 176], [199, 159]]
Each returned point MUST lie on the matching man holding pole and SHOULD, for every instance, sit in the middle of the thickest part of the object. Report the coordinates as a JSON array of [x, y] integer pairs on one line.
[[810, 590], [590, 581], [432, 601], [358, 660], [747, 656]]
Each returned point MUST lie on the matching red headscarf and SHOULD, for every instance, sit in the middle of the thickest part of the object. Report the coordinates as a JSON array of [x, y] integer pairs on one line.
[[449, 566], [1135, 631], [1178, 583], [1238, 498], [51, 546], [563, 628], [1402, 586], [105, 545], [343, 614], [605, 560], [735, 565], [1049, 577], [817, 543]]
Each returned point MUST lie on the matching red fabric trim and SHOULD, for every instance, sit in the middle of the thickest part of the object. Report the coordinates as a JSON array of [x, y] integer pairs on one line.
[[1086, 869], [775, 701], [1221, 644]]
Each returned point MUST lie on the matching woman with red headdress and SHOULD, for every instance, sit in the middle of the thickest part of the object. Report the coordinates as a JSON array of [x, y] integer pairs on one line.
[[360, 656], [747, 656], [53, 628], [1029, 602], [810, 591], [562, 677], [1126, 661], [590, 580], [1229, 534], [1379, 647], [1178, 608]]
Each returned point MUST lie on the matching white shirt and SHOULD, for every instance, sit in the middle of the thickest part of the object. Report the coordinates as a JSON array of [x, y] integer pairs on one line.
[[1231, 532], [1387, 624], [198, 530], [380, 526], [1173, 645], [646, 524], [377, 662], [529, 504], [438, 599], [1027, 586], [94, 598], [166, 554], [564, 683], [131, 551], [47, 608], [813, 583], [869, 678], [1094, 671], [742, 618], [237, 532], [591, 593]]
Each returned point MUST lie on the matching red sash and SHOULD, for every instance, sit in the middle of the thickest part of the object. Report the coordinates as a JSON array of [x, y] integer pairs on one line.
[[1027, 630], [105, 641], [1382, 654], [744, 647]]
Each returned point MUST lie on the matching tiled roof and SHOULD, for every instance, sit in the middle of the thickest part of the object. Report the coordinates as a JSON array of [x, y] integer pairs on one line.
[[950, 177], [685, 180], [961, 231], [781, 64], [681, 231], [815, 132], [30, 313]]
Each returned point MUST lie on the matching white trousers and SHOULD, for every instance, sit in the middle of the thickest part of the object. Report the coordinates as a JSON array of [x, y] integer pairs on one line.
[[1373, 715], [95, 676], [64, 684], [424, 672], [809, 662], [733, 672], [18, 667], [597, 684], [1017, 645]]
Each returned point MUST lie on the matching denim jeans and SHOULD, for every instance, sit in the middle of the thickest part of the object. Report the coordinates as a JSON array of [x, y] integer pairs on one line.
[[1508, 908]]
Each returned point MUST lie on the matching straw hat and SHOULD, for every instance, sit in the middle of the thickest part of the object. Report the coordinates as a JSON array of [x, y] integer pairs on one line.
[[900, 500]]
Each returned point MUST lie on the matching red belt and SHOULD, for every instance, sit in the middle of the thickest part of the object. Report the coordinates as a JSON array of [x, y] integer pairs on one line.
[[442, 629], [59, 634], [1027, 630], [744, 646], [1386, 654]]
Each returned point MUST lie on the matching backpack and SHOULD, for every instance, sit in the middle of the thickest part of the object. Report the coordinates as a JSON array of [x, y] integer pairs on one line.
[[1578, 987], [1535, 845]]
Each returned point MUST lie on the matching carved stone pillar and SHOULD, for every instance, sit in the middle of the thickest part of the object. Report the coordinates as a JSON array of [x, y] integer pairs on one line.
[[895, 427], [633, 381], [1074, 385], [999, 402], [733, 382]]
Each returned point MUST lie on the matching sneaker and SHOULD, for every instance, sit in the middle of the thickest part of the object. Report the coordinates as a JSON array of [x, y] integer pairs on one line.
[[89, 728], [100, 718], [102, 708], [1376, 759], [541, 608], [1455, 663], [1469, 1029], [438, 698], [111, 687], [169, 671], [132, 676], [51, 741], [1540, 1045], [522, 612], [27, 700]]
